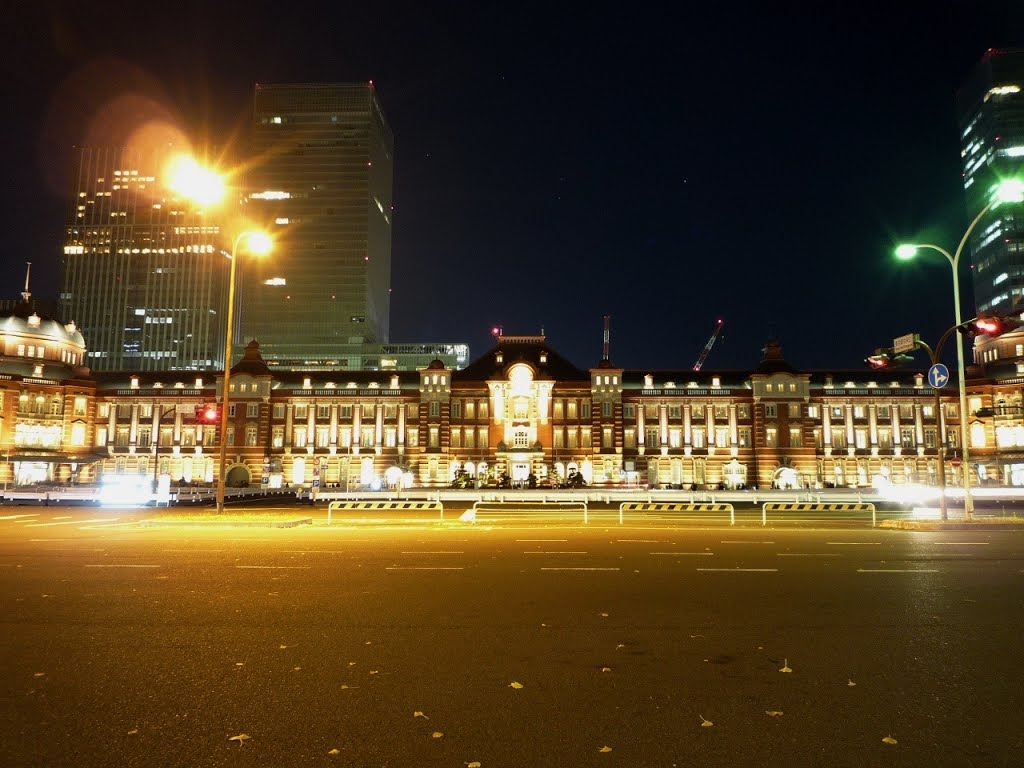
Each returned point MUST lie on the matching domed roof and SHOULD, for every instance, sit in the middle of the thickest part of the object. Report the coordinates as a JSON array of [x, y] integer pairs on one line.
[[25, 321]]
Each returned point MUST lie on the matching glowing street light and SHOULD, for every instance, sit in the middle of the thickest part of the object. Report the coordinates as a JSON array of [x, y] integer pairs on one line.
[[1008, 191], [258, 243]]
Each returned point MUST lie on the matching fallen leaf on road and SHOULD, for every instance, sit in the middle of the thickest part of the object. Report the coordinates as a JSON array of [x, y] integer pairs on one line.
[[889, 740], [606, 669], [785, 666], [850, 684], [240, 738], [351, 663], [704, 723], [474, 764], [420, 714], [373, 671], [604, 615], [437, 734], [132, 731], [334, 751], [39, 674], [282, 647], [343, 686], [605, 749], [515, 685], [620, 645], [773, 713], [296, 669]]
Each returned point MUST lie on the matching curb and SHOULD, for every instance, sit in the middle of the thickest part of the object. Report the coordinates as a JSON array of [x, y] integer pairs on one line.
[[963, 525]]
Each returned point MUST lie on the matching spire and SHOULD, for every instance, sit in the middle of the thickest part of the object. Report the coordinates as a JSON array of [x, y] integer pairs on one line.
[[26, 294]]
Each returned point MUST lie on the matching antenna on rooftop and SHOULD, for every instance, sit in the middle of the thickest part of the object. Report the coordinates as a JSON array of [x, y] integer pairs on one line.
[[607, 338]]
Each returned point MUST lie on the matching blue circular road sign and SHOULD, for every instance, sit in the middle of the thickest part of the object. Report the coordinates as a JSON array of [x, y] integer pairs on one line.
[[938, 375]]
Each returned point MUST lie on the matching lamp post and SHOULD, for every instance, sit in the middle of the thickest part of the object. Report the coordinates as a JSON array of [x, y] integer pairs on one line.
[[1009, 191], [258, 243]]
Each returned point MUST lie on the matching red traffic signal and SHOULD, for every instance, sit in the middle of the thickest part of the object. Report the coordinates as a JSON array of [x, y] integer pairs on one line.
[[886, 358], [990, 325], [207, 414]]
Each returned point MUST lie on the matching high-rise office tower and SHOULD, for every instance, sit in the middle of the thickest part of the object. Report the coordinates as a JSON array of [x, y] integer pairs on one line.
[[320, 175], [991, 114], [143, 272]]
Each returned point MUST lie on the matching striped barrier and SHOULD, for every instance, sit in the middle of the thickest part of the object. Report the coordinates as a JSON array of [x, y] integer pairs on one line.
[[642, 506], [775, 506], [472, 514], [384, 506]]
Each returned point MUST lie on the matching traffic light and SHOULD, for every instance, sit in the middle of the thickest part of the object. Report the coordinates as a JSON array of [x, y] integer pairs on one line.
[[886, 358], [990, 325], [207, 414]]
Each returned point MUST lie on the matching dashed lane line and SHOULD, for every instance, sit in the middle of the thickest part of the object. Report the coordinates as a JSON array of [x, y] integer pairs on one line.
[[434, 552], [897, 570], [690, 554], [852, 543], [18, 517], [807, 554], [73, 522], [740, 570], [119, 565], [554, 552], [424, 568], [579, 569], [273, 567], [741, 541]]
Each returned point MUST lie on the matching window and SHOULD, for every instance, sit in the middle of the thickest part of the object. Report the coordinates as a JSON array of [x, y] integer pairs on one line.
[[252, 411], [483, 410], [435, 437], [323, 412], [571, 410], [743, 411], [885, 439], [435, 409], [585, 409], [883, 412], [456, 437], [858, 412], [299, 437], [585, 437], [606, 409], [860, 439], [469, 438], [697, 437], [697, 412], [629, 411], [300, 410], [813, 412], [769, 410], [456, 409], [839, 438], [837, 411], [558, 436], [251, 434], [674, 438], [629, 437], [744, 435], [721, 436], [278, 410], [366, 437], [721, 412], [929, 438], [607, 439], [231, 410], [103, 410], [907, 437], [79, 406], [145, 436], [412, 436], [78, 434], [390, 437], [346, 412], [277, 437], [367, 411], [771, 437], [794, 410], [323, 435], [558, 410]]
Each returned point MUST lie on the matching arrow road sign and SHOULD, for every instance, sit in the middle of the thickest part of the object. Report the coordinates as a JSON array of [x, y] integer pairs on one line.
[[938, 375]]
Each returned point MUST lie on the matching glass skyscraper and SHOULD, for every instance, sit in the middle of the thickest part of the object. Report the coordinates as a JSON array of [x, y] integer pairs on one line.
[[320, 176], [991, 114], [143, 272]]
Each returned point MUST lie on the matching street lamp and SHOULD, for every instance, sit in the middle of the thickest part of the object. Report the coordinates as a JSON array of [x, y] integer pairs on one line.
[[1009, 191], [258, 243]]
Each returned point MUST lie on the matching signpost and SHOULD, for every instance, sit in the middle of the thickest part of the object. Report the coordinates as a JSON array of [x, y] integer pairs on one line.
[[938, 375], [905, 343]]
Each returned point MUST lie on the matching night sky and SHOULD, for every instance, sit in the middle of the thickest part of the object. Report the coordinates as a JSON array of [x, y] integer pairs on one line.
[[559, 162]]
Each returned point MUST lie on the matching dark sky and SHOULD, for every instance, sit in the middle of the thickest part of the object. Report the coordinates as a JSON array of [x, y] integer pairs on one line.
[[665, 164]]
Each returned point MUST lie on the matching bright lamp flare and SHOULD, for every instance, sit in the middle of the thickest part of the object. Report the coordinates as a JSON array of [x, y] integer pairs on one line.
[[258, 243], [1010, 191], [189, 179], [906, 251]]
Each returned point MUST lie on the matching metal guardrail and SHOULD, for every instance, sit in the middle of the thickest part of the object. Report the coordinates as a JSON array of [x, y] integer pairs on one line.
[[383, 506], [836, 507], [634, 506], [523, 506]]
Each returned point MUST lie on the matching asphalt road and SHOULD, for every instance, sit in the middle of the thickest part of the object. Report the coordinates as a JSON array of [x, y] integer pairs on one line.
[[506, 645]]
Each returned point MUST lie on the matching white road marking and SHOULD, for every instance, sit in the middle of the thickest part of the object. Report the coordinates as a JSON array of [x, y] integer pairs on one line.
[[274, 567], [424, 568], [312, 552], [47, 539], [694, 554], [897, 570], [579, 569], [557, 541], [746, 570], [638, 541], [192, 550], [807, 554], [63, 517], [552, 552], [434, 552], [851, 543], [738, 541], [119, 565], [17, 517], [73, 522]]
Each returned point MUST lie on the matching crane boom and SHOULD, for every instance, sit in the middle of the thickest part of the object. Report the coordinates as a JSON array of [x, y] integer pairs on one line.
[[707, 347]]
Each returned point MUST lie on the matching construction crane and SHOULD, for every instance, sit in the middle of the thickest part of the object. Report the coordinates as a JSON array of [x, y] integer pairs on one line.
[[707, 347]]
